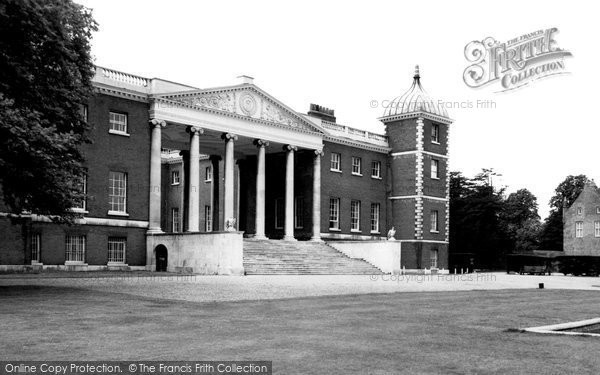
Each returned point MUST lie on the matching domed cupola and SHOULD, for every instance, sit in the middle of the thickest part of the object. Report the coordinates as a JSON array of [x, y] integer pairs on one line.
[[414, 101]]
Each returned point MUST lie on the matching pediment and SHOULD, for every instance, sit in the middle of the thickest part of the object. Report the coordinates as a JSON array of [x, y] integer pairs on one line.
[[246, 100]]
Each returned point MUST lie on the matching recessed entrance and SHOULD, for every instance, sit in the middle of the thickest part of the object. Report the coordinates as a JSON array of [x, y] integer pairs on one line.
[[162, 258]]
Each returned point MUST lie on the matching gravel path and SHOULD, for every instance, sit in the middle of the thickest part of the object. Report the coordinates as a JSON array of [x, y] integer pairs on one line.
[[237, 288]]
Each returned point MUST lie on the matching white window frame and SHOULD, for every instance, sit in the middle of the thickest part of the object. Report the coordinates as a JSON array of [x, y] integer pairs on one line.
[[84, 112], [434, 221], [356, 166], [117, 249], [299, 212], [580, 210], [435, 134], [175, 177], [355, 216], [598, 210], [118, 123], [175, 220], [579, 229], [336, 162], [82, 208], [435, 169], [208, 175], [376, 169], [433, 258], [75, 249], [334, 214], [35, 245], [279, 206], [208, 218], [117, 193], [375, 216], [596, 228]]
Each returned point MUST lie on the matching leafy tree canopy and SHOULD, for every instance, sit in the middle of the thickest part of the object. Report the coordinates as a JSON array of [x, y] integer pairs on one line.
[[45, 78]]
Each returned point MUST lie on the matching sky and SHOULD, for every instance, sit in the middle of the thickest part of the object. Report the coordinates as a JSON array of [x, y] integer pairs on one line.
[[351, 56]]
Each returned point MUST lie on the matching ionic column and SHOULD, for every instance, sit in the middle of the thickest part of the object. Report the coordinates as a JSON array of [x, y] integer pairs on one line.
[[155, 171], [260, 189], [289, 193], [229, 177], [316, 219], [193, 210]]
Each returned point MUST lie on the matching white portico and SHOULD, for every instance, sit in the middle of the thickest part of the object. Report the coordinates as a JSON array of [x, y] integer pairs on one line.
[[232, 123]]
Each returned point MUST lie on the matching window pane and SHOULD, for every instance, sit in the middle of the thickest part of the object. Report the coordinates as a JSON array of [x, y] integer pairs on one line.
[[355, 216], [299, 212], [433, 257], [375, 208], [175, 177], [336, 162], [75, 248], [117, 191], [175, 220], [435, 133], [434, 221], [376, 169], [35, 247], [208, 218], [118, 122], [279, 213], [82, 188], [356, 165], [334, 213], [116, 249], [434, 168]]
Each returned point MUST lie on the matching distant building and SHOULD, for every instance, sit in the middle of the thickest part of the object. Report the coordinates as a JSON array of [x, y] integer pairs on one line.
[[179, 175], [581, 223]]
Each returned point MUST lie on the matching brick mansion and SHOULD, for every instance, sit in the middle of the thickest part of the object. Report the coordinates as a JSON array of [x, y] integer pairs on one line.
[[228, 180]]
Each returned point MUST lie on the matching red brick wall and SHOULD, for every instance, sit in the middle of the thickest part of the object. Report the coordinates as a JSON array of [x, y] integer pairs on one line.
[[53, 243], [110, 152], [402, 135], [13, 246], [350, 187]]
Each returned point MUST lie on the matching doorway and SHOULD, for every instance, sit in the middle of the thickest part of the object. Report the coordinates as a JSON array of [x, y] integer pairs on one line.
[[162, 258]]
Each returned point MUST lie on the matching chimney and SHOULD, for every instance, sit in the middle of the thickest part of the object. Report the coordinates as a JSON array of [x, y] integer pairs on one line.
[[245, 80], [321, 112]]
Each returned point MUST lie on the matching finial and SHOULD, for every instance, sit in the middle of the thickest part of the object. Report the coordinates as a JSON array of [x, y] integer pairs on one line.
[[417, 75]]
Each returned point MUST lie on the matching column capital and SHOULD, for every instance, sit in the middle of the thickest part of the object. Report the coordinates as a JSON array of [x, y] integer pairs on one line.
[[319, 153], [261, 143], [290, 148], [229, 137], [157, 123], [195, 130]]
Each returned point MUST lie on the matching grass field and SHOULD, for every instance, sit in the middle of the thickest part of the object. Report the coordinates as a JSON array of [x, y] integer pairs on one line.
[[434, 332]]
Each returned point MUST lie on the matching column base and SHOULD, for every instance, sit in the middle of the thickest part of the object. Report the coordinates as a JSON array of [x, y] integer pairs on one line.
[[318, 239], [289, 239], [154, 231], [259, 237]]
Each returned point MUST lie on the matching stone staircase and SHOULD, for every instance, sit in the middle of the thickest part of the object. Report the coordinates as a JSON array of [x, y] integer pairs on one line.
[[276, 257]]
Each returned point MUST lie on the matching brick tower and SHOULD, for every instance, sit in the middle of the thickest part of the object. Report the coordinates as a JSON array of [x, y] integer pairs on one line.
[[417, 128]]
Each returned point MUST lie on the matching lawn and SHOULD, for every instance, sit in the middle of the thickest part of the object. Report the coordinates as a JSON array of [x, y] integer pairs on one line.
[[449, 332]]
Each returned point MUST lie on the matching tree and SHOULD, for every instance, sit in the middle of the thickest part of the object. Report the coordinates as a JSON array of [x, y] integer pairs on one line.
[[475, 228], [521, 219], [568, 191], [45, 80], [565, 193]]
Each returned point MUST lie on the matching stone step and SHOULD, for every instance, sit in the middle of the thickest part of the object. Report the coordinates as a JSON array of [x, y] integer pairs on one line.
[[274, 257]]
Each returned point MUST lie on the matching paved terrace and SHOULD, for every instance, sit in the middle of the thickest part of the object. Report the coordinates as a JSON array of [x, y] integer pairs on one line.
[[239, 288]]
